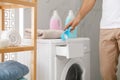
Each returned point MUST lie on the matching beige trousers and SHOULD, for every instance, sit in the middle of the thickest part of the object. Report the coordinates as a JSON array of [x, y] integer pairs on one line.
[[109, 53]]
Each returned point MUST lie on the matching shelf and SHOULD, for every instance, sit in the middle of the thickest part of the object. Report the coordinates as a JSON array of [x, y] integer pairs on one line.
[[7, 4], [16, 4], [16, 49]]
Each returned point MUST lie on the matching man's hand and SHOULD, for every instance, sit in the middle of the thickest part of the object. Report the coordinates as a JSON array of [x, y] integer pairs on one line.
[[87, 5], [73, 23]]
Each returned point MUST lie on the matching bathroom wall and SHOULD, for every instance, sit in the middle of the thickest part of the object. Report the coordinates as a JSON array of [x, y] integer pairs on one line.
[[89, 27]]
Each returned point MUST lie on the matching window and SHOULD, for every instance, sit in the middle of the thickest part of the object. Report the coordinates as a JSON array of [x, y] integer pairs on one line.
[[9, 18], [9, 23]]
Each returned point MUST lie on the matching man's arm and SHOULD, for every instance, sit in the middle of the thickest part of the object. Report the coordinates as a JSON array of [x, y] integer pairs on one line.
[[87, 5]]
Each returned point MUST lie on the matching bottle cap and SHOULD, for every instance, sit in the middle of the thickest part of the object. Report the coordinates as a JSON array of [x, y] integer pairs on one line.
[[70, 13], [55, 12]]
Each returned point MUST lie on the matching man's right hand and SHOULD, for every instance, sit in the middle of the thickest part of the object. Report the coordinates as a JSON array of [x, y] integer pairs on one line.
[[73, 23]]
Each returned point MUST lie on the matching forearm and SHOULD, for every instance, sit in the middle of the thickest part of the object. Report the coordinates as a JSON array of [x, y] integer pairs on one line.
[[85, 8]]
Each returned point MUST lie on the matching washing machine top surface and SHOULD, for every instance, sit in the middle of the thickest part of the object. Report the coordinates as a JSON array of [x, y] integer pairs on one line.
[[59, 41]]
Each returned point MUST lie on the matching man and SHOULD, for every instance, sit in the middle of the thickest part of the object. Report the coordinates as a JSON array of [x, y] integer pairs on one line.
[[109, 34]]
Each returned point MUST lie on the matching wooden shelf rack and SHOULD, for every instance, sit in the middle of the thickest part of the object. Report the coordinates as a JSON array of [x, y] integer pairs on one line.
[[8, 4], [16, 49], [4, 4]]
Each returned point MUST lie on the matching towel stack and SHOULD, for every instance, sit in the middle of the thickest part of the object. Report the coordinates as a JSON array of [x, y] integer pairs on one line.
[[44, 34], [9, 38], [12, 36], [13, 70]]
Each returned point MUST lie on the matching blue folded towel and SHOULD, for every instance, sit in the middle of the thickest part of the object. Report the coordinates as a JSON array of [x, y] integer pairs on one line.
[[12, 70]]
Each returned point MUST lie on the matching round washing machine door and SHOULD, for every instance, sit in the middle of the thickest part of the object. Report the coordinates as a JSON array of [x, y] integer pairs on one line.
[[72, 71]]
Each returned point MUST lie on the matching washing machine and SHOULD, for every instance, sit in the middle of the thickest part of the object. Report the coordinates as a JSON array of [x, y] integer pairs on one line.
[[63, 60]]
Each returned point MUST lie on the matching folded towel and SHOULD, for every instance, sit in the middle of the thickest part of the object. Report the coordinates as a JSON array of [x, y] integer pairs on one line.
[[12, 70], [4, 43], [13, 36], [22, 79], [45, 34]]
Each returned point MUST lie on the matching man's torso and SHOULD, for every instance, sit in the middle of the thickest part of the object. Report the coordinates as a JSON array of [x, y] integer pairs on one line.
[[110, 14]]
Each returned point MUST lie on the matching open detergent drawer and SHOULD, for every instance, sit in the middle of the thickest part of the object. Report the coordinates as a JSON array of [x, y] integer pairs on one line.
[[73, 49]]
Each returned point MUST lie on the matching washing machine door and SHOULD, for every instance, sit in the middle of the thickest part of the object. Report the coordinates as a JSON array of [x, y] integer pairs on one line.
[[72, 71]]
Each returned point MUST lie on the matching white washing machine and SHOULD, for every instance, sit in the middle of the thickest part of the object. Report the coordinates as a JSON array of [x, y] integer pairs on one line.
[[63, 60]]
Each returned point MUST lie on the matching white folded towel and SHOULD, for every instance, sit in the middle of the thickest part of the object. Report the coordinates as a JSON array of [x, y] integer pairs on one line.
[[13, 36], [4, 43], [44, 34]]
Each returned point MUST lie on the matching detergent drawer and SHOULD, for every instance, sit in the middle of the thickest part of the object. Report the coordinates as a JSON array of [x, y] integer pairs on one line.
[[72, 50]]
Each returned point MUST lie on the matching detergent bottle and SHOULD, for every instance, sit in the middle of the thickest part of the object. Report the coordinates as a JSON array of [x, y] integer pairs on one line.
[[69, 18], [55, 21]]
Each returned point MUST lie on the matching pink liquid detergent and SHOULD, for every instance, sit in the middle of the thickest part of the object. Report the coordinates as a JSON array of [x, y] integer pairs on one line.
[[55, 24]]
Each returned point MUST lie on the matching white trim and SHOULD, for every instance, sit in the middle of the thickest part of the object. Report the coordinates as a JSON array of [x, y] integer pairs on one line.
[[21, 22]]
